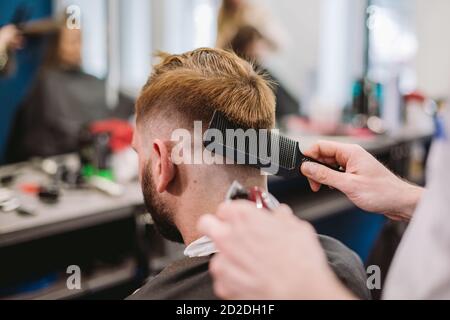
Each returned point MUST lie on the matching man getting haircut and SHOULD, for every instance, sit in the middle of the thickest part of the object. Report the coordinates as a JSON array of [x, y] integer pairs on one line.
[[182, 89]]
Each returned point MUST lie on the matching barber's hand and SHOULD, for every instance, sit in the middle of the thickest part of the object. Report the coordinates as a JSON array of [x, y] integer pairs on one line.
[[366, 182], [10, 38], [266, 255]]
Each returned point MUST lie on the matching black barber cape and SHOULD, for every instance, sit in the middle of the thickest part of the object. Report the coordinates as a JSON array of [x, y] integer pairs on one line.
[[189, 279]]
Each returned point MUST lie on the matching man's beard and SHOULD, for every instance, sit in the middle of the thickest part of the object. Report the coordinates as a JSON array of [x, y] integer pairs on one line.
[[160, 212]]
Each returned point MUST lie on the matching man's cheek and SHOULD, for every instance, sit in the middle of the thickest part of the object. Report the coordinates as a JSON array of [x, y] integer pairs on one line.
[[141, 169], [140, 175]]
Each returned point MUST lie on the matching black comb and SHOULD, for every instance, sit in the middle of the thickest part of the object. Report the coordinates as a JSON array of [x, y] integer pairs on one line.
[[263, 149]]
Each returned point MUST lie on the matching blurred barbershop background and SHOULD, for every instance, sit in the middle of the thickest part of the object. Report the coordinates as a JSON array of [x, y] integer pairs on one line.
[[372, 72]]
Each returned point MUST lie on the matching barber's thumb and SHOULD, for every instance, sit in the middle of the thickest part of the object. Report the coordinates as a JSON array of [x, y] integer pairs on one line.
[[211, 226], [322, 174]]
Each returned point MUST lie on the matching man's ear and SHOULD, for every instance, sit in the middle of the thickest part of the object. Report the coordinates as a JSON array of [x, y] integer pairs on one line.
[[164, 169]]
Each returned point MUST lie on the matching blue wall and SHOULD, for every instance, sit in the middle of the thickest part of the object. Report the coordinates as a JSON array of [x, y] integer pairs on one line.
[[13, 88], [355, 228]]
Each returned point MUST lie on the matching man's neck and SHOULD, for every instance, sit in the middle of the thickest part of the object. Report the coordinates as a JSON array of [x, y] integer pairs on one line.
[[197, 204], [190, 213]]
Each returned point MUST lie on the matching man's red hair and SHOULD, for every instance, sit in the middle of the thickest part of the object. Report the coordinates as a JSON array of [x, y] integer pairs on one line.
[[198, 82]]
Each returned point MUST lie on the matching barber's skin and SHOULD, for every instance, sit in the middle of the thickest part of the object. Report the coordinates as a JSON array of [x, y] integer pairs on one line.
[[366, 182], [244, 234]]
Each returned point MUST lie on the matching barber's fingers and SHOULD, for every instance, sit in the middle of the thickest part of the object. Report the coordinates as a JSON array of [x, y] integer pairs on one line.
[[323, 175], [221, 232], [341, 152], [328, 160], [238, 211], [283, 211], [229, 278], [315, 186], [243, 214], [212, 227], [231, 240]]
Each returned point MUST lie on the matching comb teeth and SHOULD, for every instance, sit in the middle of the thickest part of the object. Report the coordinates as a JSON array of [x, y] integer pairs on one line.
[[277, 150], [287, 152]]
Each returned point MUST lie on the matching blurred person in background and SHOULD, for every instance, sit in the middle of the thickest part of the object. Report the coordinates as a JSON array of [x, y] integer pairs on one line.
[[62, 100], [10, 40], [251, 45], [235, 14]]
